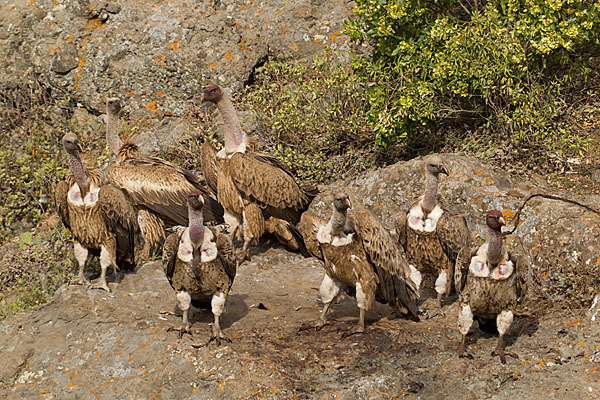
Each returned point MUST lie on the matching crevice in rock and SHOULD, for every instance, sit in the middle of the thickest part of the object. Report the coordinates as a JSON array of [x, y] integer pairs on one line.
[[262, 60]]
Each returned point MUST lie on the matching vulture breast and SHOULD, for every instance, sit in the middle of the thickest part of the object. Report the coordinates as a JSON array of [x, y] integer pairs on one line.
[[479, 266], [418, 223], [90, 199]]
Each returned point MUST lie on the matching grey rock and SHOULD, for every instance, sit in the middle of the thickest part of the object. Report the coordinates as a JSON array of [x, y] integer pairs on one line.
[[65, 59]]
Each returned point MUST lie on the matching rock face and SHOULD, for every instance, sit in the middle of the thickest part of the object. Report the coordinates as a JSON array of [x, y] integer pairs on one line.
[[86, 344], [158, 55]]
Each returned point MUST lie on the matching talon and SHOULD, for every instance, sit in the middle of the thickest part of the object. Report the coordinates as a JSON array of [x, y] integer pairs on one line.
[[352, 332], [465, 355], [100, 286]]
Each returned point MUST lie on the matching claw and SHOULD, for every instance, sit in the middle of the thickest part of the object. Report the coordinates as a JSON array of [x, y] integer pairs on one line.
[[100, 285], [182, 330], [465, 355], [503, 353], [216, 338], [353, 332]]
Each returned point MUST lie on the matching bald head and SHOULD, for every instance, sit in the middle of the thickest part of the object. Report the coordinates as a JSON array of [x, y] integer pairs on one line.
[[434, 165], [212, 93], [341, 201], [494, 220], [196, 200], [71, 144], [113, 105]]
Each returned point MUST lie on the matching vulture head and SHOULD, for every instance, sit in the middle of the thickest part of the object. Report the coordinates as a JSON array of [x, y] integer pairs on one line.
[[341, 202], [434, 165], [494, 220], [212, 93], [71, 144], [113, 105], [196, 200]]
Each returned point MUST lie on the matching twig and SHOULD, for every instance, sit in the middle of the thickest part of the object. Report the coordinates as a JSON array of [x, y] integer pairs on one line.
[[551, 197]]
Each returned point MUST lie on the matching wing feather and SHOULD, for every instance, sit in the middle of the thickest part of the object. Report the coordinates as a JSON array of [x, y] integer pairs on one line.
[[522, 265], [263, 179], [169, 257], [120, 217], [60, 199], [401, 226], [309, 227], [454, 235], [208, 159], [389, 262], [225, 250], [162, 187]]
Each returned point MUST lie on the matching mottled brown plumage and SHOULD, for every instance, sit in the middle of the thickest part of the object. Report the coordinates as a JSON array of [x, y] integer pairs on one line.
[[248, 182], [157, 187], [366, 261], [100, 217], [490, 280], [433, 246], [200, 270]]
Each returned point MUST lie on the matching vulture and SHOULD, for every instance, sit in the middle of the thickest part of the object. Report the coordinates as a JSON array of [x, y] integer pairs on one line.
[[158, 188], [430, 236], [257, 191], [200, 265], [101, 218], [360, 258], [490, 280]]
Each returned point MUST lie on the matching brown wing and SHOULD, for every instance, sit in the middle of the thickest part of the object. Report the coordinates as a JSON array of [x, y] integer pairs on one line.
[[263, 179], [60, 200], [169, 257], [309, 226], [401, 226], [454, 235], [208, 159], [225, 250], [162, 187], [461, 268], [522, 265], [389, 262], [120, 217]]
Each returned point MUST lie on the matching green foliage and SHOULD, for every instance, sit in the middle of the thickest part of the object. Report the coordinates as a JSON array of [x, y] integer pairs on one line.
[[33, 268], [30, 153], [508, 70], [312, 116]]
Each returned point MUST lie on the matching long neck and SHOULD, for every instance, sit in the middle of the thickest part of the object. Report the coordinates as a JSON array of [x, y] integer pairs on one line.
[[196, 225], [430, 195], [235, 138], [79, 173], [112, 132], [338, 221], [494, 251]]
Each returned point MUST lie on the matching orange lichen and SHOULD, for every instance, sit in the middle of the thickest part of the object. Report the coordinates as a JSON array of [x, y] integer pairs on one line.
[[159, 94], [160, 60], [213, 66], [573, 323], [228, 56], [479, 173], [174, 46], [130, 93], [152, 106]]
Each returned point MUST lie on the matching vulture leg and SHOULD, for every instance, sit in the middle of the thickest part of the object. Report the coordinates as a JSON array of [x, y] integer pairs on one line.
[[106, 259], [243, 254], [81, 254], [361, 300], [218, 306], [329, 291], [503, 321], [440, 288], [465, 321], [183, 302]]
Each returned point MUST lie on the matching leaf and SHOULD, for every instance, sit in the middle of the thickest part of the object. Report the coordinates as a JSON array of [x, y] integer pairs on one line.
[[26, 238]]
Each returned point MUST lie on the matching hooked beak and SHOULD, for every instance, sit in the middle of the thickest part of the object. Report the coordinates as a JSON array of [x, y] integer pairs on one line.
[[501, 220], [445, 171], [349, 202], [79, 147], [202, 98]]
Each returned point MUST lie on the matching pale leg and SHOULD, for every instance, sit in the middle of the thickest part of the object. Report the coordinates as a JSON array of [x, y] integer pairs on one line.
[[183, 302], [503, 322], [105, 262], [465, 321], [329, 291], [81, 254]]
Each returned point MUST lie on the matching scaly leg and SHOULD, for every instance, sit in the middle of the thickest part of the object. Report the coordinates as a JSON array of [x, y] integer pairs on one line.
[[465, 321], [218, 307], [81, 254], [105, 262], [244, 253], [440, 288], [503, 321], [183, 302]]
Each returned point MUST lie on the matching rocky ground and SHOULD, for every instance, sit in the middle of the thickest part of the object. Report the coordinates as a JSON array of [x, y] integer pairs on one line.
[[90, 344]]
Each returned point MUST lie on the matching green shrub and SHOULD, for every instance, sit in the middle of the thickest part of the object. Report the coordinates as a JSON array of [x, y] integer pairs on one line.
[[509, 70]]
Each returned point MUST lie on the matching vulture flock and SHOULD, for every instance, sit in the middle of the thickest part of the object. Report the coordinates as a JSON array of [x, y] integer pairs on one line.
[[243, 194]]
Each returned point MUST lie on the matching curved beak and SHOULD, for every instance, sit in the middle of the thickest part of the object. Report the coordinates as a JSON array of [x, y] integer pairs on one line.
[[202, 98], [79, 147], [445, 171], [348, 202], [501, 220]]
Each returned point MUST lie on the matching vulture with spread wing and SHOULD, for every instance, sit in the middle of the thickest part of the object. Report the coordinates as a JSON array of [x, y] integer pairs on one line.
[[490, 280], [158, 188], [432, 237], [200, 265], [258, 193], [100, 217], [360, 257]]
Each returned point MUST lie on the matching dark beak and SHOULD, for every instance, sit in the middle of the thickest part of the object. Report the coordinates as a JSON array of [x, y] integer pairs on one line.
[[444, 170]]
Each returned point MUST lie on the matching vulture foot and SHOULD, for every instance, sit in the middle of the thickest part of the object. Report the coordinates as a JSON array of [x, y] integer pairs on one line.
[[462, 349], [214, 337], [185, 328], [436, 312], [502, 353], [359, 329], [243, 256], [81, 281], [321, 324], [100, 285], [464, 354]]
